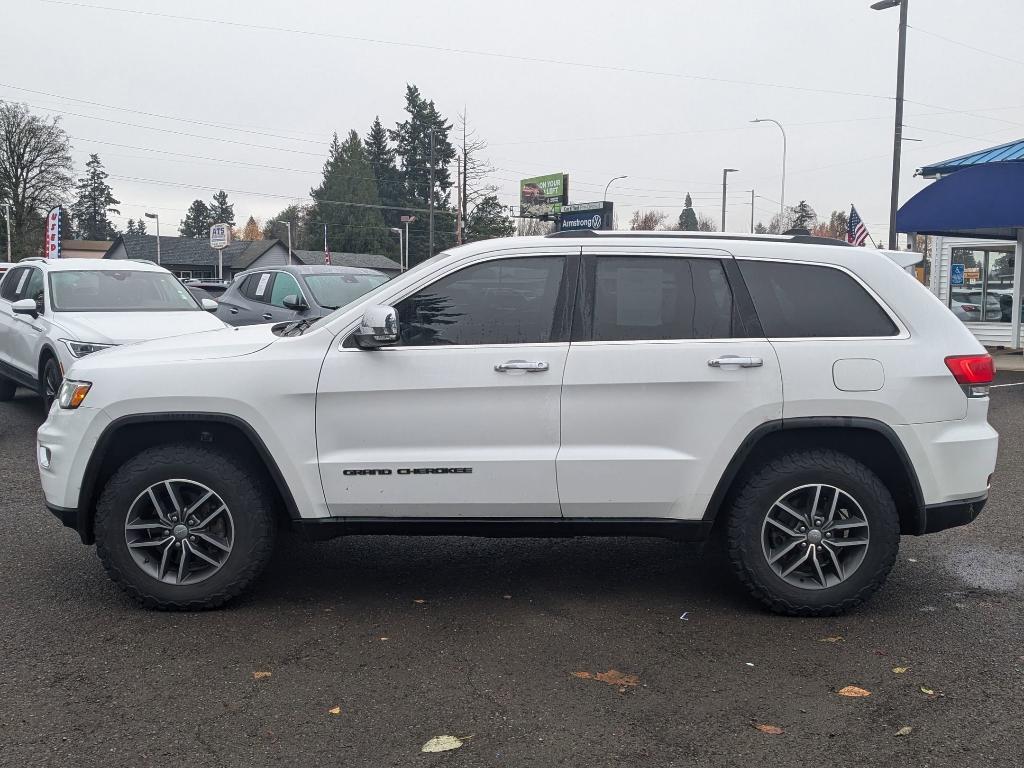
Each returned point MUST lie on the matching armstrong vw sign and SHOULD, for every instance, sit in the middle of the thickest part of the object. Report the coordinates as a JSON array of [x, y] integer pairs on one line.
[[597, 215]]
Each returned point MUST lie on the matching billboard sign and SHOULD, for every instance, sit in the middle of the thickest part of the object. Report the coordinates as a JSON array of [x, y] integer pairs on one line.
[[596, 215], [542, 196], [51, 243], [220, 236]]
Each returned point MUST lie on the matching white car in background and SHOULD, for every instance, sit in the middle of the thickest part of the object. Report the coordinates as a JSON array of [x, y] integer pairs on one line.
[[53, 312]]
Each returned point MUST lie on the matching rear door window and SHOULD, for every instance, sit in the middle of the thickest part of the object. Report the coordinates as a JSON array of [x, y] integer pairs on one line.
[[797, 301], [14, 283]]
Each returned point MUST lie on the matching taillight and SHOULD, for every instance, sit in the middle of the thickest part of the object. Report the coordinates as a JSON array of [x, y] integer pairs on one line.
[[970, 308], [972, 372]]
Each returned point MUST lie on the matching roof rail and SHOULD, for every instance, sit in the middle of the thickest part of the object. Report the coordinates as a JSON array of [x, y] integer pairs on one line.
[[677, 235], [35, 258]]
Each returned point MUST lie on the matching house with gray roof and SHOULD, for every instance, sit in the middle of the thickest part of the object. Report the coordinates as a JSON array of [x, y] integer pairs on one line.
[[190, 257], [389, 267]]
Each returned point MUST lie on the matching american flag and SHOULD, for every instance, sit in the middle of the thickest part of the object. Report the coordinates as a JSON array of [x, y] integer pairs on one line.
[[327, 251], [856, 232]]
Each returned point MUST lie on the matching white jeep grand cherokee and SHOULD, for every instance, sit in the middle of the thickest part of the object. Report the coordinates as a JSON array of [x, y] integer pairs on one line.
[[811, 400]]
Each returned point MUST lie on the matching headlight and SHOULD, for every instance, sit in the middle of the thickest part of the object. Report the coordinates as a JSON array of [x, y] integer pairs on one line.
[[72, 393], [83, 348]]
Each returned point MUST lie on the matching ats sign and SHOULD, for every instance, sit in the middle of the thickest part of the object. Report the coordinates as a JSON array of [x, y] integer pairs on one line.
[[220, 236]]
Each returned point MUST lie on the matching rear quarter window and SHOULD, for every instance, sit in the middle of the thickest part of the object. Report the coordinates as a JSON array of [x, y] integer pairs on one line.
[[808, 301]]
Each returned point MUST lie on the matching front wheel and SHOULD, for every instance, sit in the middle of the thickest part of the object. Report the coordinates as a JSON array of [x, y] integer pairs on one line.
[[52, 378], [184, 527], [813, 533]]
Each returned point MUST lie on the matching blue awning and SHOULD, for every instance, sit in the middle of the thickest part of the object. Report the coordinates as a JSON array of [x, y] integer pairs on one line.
[[1012, 151], [978, 201]]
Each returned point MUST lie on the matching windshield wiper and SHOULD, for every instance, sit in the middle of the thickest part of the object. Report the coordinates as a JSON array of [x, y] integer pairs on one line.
[[296, 327]]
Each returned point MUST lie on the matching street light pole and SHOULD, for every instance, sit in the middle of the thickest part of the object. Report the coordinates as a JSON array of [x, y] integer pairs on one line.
[[401, 257], [782, 195], [7, 219], [725, 178], [431, 195], [605, 197], [897, 138], [751, 211], [157, 217]]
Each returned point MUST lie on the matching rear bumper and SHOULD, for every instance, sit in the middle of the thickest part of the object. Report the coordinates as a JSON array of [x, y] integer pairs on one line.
[[939, 517]]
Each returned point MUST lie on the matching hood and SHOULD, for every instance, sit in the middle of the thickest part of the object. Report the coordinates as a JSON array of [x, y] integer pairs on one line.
[[211, 345], [130, 327]]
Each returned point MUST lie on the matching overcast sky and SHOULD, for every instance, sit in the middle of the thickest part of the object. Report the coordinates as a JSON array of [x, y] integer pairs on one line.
[[699, 72]]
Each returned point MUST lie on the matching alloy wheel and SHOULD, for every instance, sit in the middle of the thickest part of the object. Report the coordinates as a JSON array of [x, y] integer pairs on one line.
[[51, 383], [815, 536], [179, 532]]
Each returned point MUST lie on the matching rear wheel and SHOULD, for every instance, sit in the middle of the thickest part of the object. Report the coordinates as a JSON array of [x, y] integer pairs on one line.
[[184, 527], [813, 533], [50, 383]]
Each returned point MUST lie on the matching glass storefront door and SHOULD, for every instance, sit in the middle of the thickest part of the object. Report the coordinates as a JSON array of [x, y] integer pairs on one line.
[[986, 295]]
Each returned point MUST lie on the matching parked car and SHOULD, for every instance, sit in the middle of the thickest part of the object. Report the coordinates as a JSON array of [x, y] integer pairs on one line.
[[211, 288], [813, 402], [277, 294], [967, 305], [56, 311]]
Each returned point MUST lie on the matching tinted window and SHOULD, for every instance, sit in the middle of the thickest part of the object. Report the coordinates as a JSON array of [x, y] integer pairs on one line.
[[284, 285], [802, 300], [34, 289], [661, 298], [257, 287], [12, 282], [118, 291], [509, 301]]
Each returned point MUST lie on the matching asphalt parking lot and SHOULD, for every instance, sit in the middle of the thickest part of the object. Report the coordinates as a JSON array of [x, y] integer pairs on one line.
[[375, 645]]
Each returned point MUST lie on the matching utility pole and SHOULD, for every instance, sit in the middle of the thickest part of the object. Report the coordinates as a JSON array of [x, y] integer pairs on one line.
[[458, 202], [465, 171], [725, 177], [430, 193], [7, 218], [897, 137], [751, 211]]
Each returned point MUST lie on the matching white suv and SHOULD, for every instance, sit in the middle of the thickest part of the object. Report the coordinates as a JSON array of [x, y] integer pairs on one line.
[[53, 312], [812, 401]]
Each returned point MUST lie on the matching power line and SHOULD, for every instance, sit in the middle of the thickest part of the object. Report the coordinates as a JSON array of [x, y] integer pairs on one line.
[[965, 45], [277, 30]]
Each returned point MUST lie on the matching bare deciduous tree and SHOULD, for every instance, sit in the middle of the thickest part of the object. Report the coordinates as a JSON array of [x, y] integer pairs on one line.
[[475, 169], [647, 220], [35, 172], [705, 223]]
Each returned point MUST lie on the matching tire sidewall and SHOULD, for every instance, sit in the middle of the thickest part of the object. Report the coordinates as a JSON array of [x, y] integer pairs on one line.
[[843, 473], [251, 518]]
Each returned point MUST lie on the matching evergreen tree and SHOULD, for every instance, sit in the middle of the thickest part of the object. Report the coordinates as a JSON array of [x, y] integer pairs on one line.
[[129, 228], [298, 215], [489, 219], [760, 229], [688, 218], [221, 212], [140, 227], [348, 178], [802, 216], [197, 221], [95, 200], [381, 157], [252, 229], [412, 145]]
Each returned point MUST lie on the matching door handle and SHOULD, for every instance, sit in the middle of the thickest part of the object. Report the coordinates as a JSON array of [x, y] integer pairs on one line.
[[741, 362], [521, 365], [267, 316], [233, 311]]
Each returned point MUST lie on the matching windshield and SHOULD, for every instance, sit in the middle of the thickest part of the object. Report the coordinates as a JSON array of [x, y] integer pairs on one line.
[[333, 290], [118, 291]]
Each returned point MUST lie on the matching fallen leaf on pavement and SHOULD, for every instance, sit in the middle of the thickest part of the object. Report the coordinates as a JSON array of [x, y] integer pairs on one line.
[[904, 731], [384, 638], [927, 691], [441, 744], [612, 677], [260, 675], [419, 600], [836, 639], [900, 670], [854, 691], [334, 710], [772, 730]]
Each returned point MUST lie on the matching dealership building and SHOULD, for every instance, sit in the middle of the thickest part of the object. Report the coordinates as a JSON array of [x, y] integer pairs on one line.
[[975, 211]]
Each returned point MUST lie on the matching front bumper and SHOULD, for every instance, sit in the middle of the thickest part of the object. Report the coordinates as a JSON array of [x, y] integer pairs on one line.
[[939, 517]]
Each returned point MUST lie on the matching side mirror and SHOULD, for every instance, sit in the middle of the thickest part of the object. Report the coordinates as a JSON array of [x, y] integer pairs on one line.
[[209, 305], [25, 307], [295, 302], [378, 328]]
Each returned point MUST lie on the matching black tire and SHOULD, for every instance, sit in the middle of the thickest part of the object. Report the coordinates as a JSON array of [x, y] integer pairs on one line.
[[768, 484], [7, 389], [242, 490], [50, 381]]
